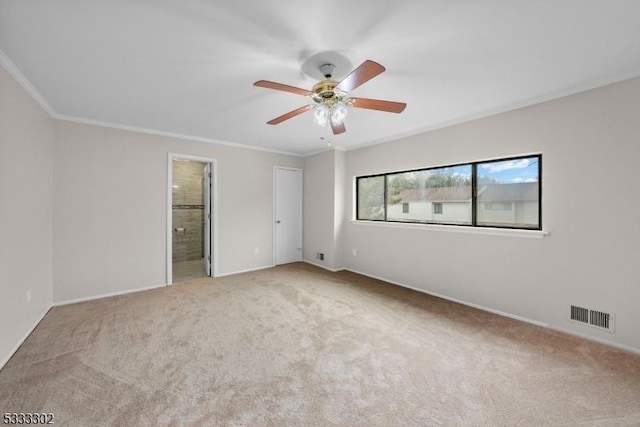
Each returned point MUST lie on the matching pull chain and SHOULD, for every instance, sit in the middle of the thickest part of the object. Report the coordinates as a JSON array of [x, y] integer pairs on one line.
[[324, 137]]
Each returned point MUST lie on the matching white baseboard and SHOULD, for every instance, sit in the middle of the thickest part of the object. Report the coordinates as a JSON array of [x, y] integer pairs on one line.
[[598, 340], [110, 294], [130, 291], [333, 270], [456, 300], [505, 314], [20, 342]]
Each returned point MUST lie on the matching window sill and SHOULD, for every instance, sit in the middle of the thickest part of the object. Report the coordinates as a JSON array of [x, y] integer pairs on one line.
[[507, 232]]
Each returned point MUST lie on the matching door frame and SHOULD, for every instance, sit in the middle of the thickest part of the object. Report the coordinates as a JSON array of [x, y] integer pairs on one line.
[[208, 244], [275, 170], [214, 211]]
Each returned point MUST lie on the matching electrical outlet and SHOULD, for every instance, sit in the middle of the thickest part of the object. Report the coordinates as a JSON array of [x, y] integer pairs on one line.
[[28, 295], [355, 252], [320, 256], [256, 250]]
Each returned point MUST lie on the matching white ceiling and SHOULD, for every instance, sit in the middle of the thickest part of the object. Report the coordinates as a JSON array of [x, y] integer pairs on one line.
[[187, 67]]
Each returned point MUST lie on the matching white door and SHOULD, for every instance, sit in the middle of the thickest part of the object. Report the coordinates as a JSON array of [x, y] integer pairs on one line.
[[207, 219], [288, 215]]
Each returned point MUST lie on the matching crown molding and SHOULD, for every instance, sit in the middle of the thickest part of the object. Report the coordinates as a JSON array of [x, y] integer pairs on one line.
[[85, 121], [25, 83], [574, 90], [22, 80], [13, 70]]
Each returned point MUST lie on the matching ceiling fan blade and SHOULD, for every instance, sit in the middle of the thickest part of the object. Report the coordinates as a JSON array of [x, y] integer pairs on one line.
[[362, 74], [338, 129], [280, 86], [377, 104], [289, 115]]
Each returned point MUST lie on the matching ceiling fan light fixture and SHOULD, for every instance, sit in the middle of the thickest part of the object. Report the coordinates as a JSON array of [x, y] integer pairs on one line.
[[338, 113], [321, 114], [331, 98]]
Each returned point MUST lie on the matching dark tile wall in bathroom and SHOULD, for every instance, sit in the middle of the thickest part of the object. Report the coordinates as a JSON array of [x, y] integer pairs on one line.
[[188, 211]]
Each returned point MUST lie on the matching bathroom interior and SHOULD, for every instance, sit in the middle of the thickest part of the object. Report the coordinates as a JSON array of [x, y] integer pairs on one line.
[[188, 220]]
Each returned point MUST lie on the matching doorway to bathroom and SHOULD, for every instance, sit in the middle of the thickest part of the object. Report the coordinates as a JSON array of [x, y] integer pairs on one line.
[[190, 218]]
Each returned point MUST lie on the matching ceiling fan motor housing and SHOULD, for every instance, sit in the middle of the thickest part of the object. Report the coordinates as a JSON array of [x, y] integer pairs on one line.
[[325, 92]]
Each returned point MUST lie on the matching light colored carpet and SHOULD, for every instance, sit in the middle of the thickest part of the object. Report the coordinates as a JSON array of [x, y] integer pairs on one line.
[[295, 345]]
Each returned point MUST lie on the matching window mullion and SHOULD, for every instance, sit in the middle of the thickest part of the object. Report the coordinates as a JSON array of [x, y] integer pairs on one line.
[[474, 194], [385, 197], [357, 201]]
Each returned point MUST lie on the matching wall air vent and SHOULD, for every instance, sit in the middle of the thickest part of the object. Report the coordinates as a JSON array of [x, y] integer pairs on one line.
[[579, 314], [596, 318]]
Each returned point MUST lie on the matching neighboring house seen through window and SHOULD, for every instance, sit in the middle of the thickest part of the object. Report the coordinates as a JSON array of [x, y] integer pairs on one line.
[[501, 193], [497, 206]]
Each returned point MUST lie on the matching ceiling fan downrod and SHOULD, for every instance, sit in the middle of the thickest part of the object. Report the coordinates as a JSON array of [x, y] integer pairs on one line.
[[327, 70]]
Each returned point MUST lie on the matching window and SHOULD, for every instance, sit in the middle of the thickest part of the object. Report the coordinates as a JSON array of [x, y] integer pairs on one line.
[[501, 193], [371, 198], [511, 190], [451, 185]]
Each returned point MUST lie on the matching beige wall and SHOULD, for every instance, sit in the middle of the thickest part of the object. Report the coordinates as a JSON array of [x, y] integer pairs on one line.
[[590, 143], [110, 208], [340, 207], [324, 208], [26, 172], [319, 208]]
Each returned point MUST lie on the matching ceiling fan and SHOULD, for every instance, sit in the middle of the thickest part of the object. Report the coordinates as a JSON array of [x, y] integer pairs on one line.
[[330, 98]]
